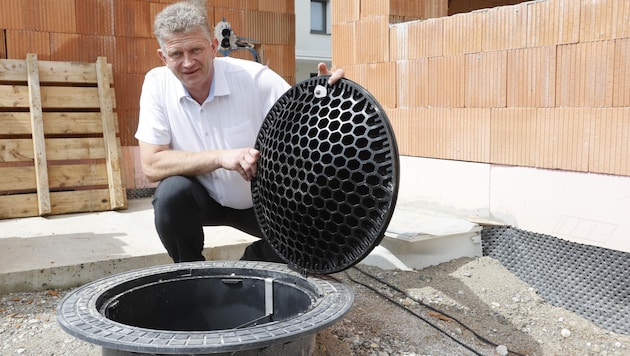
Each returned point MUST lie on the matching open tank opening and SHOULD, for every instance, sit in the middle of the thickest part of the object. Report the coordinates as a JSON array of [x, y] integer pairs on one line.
[[179, 302]]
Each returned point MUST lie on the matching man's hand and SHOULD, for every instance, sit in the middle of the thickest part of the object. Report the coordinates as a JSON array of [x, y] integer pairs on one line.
[[243, 160], [322, 69]]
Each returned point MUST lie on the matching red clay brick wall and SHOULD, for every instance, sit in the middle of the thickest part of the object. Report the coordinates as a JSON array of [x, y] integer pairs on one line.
[[539, 84]]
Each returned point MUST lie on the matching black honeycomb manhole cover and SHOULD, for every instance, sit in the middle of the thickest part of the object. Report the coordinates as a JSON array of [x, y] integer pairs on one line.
[[328, 175]]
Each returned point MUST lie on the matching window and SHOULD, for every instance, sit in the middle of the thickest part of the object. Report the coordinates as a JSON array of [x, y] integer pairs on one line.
[[318, 16]]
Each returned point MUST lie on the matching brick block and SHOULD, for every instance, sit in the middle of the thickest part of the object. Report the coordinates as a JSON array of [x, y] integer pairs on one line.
[[465, 133], [413, 83], [380, 80], [513, 133], [563, 138], [621, 75], [371, 8], [399, 119], [345, 11], [261, 27], [343, 45], [596, 20], [20, 43], [18, 15], [55, 16], [585, 74], [372, 39], [435, 8], [621, 16], [237, 4], [463, 33], [141, 55], [65, 46], [95, 17], [447, 81], [408, 8], [280, 58], [132, 18], [96, 46], [283, 6], [425, 38], [505, 28], [531, 77], [486, 75], [553, 22], [610, 147]]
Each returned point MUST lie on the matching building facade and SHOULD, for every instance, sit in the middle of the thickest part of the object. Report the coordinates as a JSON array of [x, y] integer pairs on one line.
[[313, 30]]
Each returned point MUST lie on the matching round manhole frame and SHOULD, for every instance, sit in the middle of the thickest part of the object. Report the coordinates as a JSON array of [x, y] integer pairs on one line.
[[78, 313]]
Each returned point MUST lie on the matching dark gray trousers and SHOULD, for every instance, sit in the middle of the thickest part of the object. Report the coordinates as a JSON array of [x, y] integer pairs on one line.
[[182, 207]]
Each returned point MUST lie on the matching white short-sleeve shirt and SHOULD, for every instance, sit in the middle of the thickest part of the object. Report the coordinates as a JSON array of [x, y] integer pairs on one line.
[[241, 95]]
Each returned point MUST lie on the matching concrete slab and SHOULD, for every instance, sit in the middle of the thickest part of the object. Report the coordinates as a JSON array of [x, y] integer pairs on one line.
[[420, 238], [64, 251]]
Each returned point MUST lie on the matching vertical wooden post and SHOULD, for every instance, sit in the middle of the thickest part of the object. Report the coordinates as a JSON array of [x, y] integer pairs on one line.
[[117, 195], [37, 127]]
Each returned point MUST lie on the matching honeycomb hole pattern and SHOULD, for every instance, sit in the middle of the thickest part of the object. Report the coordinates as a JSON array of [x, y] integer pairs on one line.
[[328, 176]]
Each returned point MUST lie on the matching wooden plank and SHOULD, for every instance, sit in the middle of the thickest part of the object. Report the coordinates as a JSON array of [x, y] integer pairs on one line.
[[16, 96], [118, 196], [17, 179], [75, 148], [15, 123], [68, 72], [20, 179], [18, 123], [37, 126], [80, 201], [77, 175], [18, 206], [16, 150], [13, 97], [14, 70], [25, 205], [57, 149]]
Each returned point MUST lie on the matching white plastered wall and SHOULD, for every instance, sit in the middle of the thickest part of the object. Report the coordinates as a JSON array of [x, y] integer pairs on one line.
[[581, 207]]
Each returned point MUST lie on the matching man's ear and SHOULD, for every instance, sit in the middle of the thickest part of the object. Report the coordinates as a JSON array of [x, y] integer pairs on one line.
[[161, 55], [215, 45]]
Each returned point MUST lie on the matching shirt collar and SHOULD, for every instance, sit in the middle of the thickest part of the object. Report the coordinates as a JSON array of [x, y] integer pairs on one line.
[[219, 82]]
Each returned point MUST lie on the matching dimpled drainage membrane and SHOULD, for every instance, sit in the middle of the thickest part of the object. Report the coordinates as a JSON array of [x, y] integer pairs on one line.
[[588, 280], [327, 176]]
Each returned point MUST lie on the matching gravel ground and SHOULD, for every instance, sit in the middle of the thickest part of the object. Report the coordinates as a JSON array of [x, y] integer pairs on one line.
[[467, 297]]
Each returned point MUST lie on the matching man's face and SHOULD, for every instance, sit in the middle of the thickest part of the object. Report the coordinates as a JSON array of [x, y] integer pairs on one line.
[[189, 56]]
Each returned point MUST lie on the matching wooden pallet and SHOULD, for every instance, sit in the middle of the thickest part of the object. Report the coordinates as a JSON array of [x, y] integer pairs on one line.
[[59, 152]]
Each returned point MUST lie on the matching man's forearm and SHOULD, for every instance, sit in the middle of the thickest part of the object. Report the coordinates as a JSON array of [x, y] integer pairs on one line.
[[170, 163]]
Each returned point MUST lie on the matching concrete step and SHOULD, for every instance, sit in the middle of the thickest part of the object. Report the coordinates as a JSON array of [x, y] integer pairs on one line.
[[417, 238], [65, 251]]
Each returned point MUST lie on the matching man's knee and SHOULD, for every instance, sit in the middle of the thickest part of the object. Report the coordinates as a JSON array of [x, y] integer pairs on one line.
[[173, 187], [174, 191]]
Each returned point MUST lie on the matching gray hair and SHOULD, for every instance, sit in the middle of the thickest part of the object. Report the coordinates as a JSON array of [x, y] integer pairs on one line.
[[181, 17]]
